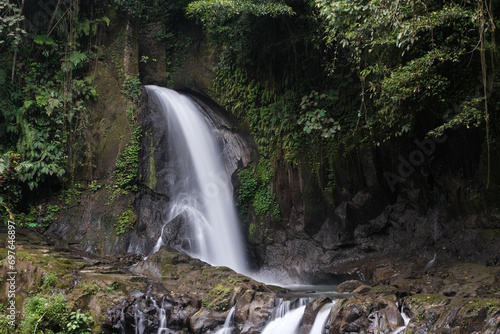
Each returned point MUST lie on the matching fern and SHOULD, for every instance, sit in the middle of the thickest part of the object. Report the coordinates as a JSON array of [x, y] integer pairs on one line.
[[42, 39], [77, 58]]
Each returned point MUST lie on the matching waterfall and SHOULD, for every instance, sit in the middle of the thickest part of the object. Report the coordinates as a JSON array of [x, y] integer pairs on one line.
[[139, 319], [406, 319], [228, 324], [147, 315], [319, 322], [287, 324], [286, 316], [162, 327], [201, 198], [201, 190]]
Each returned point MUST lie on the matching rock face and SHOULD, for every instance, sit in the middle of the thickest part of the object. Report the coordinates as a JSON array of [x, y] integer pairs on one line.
[[362, 213], [156, 173], [99, 210], [371, 222], [193, 295], [184, 295]]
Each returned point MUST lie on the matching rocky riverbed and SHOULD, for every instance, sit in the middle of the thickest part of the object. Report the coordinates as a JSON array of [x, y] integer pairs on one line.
[[444, 296]]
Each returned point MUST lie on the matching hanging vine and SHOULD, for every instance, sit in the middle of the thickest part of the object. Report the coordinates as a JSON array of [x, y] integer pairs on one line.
[[486, 21]]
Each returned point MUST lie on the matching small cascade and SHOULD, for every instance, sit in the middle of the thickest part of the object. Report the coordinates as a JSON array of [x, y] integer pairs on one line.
[[287, 324], [201, 189], [139, 319], [406, 319], [321, 317], [284, 306], [286, 316], [228, 324], [162, 327], [148, 317]]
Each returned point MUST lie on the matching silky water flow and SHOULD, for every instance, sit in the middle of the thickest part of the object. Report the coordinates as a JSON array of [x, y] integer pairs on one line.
[[202, 195]]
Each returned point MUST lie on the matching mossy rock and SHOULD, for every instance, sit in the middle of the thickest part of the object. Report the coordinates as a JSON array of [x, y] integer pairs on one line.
[[477, 307], [85, 284], [219, 298]]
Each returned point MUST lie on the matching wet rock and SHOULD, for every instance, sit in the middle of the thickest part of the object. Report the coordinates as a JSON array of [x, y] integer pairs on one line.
[[348, 316], [362, 290], [178, 235], [364, 314], [390, 317], [253, 310], [310, 314], [179, 308], [205, 320], [349, 286], [438, 314]]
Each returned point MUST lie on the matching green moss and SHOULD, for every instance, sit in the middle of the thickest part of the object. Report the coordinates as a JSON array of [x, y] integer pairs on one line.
[[58, 265], [424, 299], [252, 230], [125, 222], [169, 271], [255, 191], [152, 168], [127, 164], [218, 298], [477, 306], [257, 230], [113, 287], [90, 288], [383, 290], [419, 317], [118, 52]]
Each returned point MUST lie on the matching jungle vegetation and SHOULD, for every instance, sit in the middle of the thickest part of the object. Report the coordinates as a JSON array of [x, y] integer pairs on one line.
[[314, 81]]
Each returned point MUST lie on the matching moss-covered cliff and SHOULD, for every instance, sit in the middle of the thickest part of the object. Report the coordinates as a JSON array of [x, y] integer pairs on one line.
[[374, 133]]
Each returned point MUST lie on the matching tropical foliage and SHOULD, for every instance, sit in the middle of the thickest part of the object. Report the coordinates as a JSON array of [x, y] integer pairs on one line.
[[352, 73], [44, 93], [313, 81]]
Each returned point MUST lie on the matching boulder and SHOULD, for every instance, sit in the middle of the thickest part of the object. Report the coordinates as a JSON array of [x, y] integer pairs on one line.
[[349, 286]]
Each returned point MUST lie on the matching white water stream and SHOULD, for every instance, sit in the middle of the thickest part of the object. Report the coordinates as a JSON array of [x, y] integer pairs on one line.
[[228, 324], [286, 316], [288, 324], [201, 192], [202, 195], [319, 322], [406, 320]]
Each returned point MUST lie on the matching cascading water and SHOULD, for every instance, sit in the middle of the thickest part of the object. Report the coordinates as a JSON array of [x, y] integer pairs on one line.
[[319, 322], [202, 198], [286, 317], [150, 316], [406, 320], [162, 327], [201, 189], [228, 324]]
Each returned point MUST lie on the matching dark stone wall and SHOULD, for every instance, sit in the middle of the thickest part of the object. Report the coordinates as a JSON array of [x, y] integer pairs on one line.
[[437, 205]]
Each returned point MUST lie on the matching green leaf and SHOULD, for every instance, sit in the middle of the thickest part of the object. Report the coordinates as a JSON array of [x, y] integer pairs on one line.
[[77, 58], [42, 39], [105, 19], [28, 103]]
